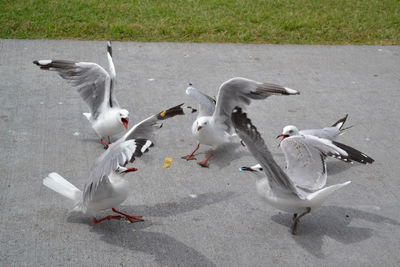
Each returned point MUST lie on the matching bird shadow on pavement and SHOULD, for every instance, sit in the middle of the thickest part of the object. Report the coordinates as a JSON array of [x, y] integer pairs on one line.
[[334, 222], [225, 154], [166, 250], [337, 166]]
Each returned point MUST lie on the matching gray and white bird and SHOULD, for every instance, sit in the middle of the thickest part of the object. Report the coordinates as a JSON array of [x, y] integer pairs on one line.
[[96, 87], [329, 134], [301, 187], [213, 126], [106, 188]]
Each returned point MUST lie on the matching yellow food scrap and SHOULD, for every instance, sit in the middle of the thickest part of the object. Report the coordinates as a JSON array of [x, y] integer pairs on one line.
[[162, 114], [167, 162]]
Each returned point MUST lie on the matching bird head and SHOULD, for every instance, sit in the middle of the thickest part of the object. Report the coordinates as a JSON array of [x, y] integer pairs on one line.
[[124, 117], [202, 122], [288, 131]]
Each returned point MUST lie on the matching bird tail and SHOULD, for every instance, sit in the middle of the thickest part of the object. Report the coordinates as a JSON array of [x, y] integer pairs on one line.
[[57, 183], [339, 124]]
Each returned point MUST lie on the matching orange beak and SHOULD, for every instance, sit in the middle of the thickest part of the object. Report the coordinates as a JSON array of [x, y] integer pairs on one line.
[[125, 122]]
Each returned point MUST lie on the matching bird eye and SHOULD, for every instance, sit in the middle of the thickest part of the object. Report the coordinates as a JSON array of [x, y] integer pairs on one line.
[[291, 131]]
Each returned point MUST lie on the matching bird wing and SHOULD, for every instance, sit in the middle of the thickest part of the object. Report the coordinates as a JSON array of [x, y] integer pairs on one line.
[[207, 103], [94, 84], [147, 128], [329, 133], [256, 145], [239, 92], [117, 155]]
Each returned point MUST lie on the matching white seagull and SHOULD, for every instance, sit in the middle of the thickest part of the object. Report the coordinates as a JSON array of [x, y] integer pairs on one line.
[[96, 87], [302, 187], [213, 126], [328, 134], [106, 188]]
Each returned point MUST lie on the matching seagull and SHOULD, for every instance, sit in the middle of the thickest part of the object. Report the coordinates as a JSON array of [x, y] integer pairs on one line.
[[328, 134], [301, 188], [213, 125], [96, 87], [353, 154], [106, 188]]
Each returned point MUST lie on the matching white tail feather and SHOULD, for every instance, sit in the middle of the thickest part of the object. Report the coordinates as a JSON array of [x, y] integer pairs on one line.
[[57, 183]]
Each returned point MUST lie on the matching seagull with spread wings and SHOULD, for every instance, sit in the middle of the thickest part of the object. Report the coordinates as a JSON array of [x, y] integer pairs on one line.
[[96, 87], [106, 188], [328, 134], [302, 187], [213, 126]]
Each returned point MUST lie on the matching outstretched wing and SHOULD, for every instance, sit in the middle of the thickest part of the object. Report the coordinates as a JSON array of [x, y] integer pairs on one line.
[[148, 127], [207, 103], [92, 81], [305, 158], [117, 155], [254, 142], [239, 92]]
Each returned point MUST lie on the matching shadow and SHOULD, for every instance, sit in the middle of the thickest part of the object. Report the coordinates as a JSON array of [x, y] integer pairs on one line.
[[166, 250], [337, 166], [186, 204], [225, 154], [334, 222]]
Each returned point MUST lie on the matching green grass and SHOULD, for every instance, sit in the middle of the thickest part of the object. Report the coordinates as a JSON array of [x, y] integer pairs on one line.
[[245, 21]]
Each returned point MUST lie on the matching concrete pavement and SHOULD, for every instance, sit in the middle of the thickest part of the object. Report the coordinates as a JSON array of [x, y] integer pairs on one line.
[[196, 216]]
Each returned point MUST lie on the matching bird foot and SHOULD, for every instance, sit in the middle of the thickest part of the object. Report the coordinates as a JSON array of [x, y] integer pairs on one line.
[[204, 163], [189, 157], [109, 217], [133, 219], [104, 143], [128, 217]]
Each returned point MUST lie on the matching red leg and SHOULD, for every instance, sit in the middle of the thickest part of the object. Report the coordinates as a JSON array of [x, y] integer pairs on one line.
[[131, 218], [104, 143], [109, 217], [191, 155], [204, 163]]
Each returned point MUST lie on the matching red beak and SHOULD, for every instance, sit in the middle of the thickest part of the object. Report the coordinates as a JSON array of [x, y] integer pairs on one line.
[[130, 170], [283, 138], [125, 122]]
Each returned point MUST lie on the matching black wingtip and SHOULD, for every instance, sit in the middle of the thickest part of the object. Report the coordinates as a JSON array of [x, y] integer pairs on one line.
[[354, 154], [171, 112], [36, 62], [109, 48]]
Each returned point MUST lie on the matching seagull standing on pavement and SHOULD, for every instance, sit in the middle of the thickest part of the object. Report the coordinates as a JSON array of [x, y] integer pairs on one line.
[[213, 126], [301, 188], [106, 188], [96, 87]]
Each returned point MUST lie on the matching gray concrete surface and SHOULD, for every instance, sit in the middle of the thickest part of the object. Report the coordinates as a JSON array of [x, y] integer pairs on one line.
[[196, 216]]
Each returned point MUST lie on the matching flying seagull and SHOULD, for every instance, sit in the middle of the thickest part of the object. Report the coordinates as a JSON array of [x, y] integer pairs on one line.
[[96, 87], [301, 188], [106, 188], [213, 126]]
